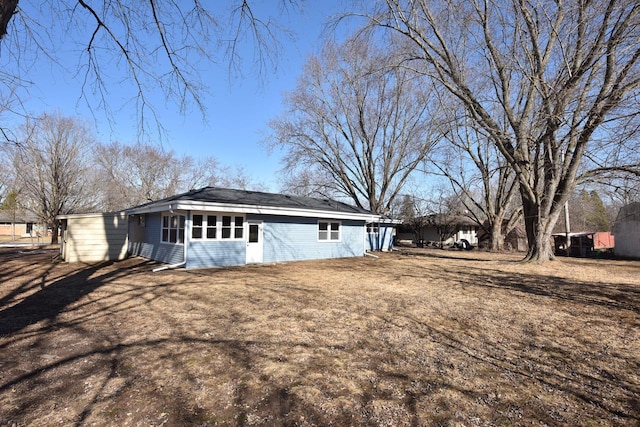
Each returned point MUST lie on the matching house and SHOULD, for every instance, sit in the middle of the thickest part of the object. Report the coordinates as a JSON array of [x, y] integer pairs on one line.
[[24, 224], [514, 240], [213, 227], [93, 237], [440, 230], [627, 231]]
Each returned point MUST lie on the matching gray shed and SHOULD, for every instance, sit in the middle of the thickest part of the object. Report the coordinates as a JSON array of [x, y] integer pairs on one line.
[[94, 237], [627, 231]]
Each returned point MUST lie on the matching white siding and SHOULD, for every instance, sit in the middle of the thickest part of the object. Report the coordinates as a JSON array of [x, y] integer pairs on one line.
[[94, 237]]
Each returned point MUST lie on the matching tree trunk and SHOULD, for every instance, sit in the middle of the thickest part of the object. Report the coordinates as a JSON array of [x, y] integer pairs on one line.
[[539, 229], [54, 232], [496, 239]]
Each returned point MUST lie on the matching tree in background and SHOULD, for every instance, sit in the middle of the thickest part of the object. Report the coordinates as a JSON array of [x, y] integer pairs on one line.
[[547, 81], [140, 173], [479, 175], [355, 126], [51, 167]]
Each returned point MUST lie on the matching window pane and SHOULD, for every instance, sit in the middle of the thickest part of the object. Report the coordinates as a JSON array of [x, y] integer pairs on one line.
[[180, 235], [238, 233], [165, 235], [173, 235], [239, 220], [335, 226], [211, 232], [211, 220], [165, 221], [322, 235], [226, 221], [197, 220], [226, 233], [253, 233], [335, 235], [323, 226], [196, 232], [174, 222], [182, 218]]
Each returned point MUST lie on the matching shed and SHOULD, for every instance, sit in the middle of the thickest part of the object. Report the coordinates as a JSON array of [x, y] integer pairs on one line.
[[627, 231], [94, 237]]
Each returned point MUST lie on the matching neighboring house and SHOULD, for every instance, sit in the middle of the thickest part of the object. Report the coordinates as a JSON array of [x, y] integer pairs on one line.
[[437, 229], [214, 227], [23, 224], [93, 237], [627, 231]]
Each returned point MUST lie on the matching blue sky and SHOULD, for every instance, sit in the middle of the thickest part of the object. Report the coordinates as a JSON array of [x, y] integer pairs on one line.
[[237, 109]]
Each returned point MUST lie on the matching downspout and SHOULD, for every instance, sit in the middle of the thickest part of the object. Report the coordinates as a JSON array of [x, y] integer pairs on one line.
[[187, 226]]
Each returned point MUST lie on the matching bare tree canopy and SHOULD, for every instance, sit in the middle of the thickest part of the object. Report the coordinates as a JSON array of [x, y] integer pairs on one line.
[[356, 126], [52, 167], [150, 46], [548, 81]]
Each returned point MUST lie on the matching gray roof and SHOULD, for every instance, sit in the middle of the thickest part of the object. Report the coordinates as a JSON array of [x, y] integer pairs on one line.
[[20, 217], [257, 198]]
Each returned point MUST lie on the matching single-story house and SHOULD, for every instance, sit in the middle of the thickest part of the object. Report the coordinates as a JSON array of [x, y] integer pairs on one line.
[[213, 227], [93, 237], [440, 229], [23, 224], [627, 231]]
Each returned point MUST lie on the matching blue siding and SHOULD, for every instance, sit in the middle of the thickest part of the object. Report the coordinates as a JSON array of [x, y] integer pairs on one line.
[[293, 239], [216, 253], [152, 248], [382, 241]]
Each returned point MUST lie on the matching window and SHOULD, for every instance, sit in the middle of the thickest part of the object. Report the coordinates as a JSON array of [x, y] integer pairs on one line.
[[196, 227], [214, 227], [173, 229], [328, 231], [373, 227]]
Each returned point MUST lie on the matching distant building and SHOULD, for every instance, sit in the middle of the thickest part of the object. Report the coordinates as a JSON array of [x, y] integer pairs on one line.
[[627, 231]]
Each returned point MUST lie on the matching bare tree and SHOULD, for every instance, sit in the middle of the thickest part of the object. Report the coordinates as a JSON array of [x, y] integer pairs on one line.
[[51, 161], [485, 184], [140, 173], [151, 45], [358, 121], [545, 80]]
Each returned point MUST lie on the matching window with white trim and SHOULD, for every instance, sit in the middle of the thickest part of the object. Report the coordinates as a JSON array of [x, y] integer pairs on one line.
[[216, 227], [329, 231], [173, 229]]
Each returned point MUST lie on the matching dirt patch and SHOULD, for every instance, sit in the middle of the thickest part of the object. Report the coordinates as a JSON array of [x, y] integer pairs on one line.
[[423, 337]]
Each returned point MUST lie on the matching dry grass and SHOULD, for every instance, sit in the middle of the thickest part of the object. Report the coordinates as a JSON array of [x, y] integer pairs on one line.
[[427, 338]]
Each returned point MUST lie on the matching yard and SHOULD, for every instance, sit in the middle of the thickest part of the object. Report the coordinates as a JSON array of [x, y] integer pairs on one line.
[[425, 337]]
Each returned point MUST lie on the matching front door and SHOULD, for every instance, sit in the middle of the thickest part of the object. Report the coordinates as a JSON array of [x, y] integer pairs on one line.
[[254, 242]]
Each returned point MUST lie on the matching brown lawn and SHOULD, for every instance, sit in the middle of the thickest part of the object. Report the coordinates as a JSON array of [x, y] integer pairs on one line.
[[429, 337]]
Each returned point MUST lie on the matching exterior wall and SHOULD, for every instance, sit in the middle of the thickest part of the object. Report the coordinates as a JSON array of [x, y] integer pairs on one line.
[[284, 239], [627, 231], [94, 238], [144, 240], [9, 230], [294, 239], [381, 241], [218, 253]]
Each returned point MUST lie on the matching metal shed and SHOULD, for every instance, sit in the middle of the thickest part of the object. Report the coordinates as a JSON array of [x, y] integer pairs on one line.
[[94, 237]]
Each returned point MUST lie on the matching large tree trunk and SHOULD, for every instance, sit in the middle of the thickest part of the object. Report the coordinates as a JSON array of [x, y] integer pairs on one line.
[[539, 229], [496, 239]]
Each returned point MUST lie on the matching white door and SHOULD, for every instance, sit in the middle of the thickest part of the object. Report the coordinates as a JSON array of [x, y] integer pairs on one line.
[[254, 242]]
